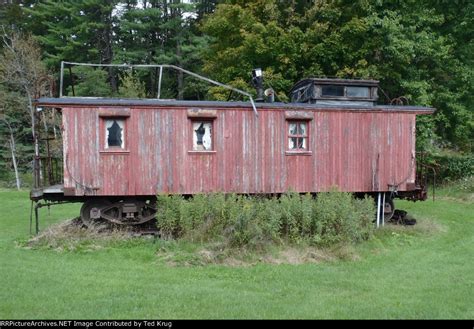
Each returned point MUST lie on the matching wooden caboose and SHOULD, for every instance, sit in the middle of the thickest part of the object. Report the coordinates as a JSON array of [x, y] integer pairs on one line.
[[119, 153]]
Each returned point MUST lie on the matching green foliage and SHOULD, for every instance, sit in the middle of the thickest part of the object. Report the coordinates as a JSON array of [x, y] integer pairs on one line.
[[342, 218], [80, 30], [12, 15], [451, 166], [131, 86], [136, 32], [416, 49], [223, 94], [239, 221], [90, 82]]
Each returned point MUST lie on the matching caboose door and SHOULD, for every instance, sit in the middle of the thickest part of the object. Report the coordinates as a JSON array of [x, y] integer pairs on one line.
[[115, 155]]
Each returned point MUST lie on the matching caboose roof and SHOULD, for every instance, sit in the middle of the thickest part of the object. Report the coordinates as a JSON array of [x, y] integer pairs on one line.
[[66, 102]]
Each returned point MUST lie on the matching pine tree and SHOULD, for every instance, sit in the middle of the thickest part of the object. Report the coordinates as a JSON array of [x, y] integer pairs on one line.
[[161, 32], [77, 31]]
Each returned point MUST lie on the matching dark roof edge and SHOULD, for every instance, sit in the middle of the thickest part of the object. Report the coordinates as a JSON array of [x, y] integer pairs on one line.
[[92, 101]]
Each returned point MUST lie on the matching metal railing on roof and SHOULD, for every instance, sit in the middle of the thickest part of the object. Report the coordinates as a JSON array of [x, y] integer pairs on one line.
[[161, 67]]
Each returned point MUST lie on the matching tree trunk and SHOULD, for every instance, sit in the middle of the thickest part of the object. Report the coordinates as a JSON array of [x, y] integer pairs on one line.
[[37, 174], [15, 165], [13, 151], [32, 111]]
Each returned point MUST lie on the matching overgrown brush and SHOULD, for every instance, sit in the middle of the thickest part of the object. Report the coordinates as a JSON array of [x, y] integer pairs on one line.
[[71, 235], [450, 166], [254, 222]]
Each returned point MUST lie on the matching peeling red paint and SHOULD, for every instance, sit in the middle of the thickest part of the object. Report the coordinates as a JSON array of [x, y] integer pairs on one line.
[[355, 150]]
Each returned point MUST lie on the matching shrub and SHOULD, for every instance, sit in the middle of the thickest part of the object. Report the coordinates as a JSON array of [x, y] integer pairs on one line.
[[169, 215], [451, 166], [255, 222]]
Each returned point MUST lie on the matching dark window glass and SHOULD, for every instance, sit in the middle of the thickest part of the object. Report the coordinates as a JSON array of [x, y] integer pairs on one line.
[[200, 133], [332, 90], [362, 92], [114, 134]]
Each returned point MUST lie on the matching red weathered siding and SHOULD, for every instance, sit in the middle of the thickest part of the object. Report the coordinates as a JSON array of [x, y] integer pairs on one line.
[[353, 150]]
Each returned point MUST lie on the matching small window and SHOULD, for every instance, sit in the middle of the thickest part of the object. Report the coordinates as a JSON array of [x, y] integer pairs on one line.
[[361, 92], [298, 135], [114, 133], [202, 135], [332, 90]]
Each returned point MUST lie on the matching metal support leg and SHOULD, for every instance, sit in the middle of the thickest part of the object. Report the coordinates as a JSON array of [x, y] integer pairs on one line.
[[31, 218], [38, 205], [378, 209], [383, 210]]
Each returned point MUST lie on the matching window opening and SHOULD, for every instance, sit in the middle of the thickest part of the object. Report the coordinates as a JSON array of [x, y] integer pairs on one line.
[[202, 136], [114, 133], [297, 135]]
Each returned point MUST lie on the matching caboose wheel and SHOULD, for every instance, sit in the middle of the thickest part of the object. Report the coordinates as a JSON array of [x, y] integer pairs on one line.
[[91, 209], [388, 209]]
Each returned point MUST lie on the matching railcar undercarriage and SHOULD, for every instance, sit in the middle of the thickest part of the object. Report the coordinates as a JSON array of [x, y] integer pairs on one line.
[[139, 213], [122, 212]]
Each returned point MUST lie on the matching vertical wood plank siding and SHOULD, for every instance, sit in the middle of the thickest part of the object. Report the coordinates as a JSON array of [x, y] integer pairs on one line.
[[351, 150]]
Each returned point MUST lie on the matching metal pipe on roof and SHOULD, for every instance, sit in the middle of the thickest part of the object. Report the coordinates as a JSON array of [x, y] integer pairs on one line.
[[161, 66], [159, 83], [61, 80]]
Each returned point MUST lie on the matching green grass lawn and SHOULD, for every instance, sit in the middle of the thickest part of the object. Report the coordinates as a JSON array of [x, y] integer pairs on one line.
[[424, 272]]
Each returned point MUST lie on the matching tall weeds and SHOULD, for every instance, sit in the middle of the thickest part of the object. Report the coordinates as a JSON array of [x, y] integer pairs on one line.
[[256, 222]]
